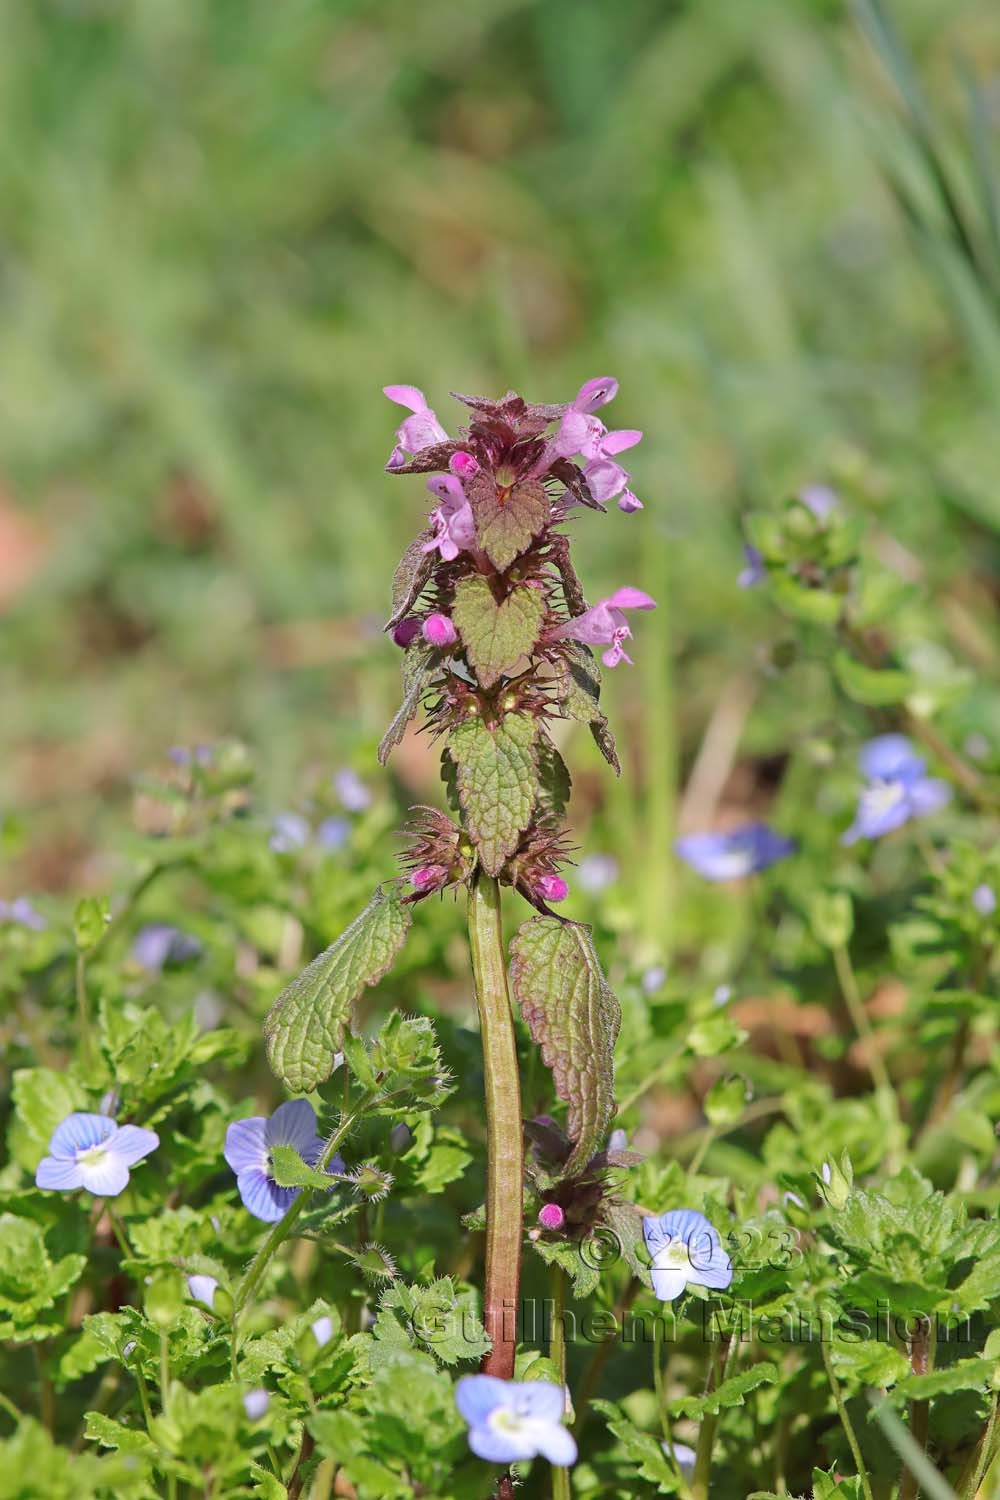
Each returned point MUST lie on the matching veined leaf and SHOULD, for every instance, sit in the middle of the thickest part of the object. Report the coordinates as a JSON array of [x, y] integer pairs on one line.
[[412, 572], [507, 521], [305, 1026], [574, 1016], [497, 780], [579, 689], [496, 636], [730, 1393], [419, 666]]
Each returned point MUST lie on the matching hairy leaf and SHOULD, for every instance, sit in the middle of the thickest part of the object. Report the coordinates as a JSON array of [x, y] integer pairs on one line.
[[507, 521], [496, 636], [497, 782], [305, 1025], [730, 1393], [575, 481], [579, 690], [553, 777], [434, 457], [574, 1016], [643, 1451], [419, 666], [289, 1170], [572, 587], [412, 572]]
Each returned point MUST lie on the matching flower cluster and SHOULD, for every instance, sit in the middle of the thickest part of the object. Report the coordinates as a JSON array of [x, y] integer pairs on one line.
[[498, 636]]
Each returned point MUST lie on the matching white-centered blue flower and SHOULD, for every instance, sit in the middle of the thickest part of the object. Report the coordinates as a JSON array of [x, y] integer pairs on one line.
[[898, 788], [734, 855], [513, 1420], [685, 1248], [92, 1152], [248, 1148]]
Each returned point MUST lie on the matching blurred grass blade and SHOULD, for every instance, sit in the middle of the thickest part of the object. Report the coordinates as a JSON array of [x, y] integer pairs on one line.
[[983, 158], [931, 1480]]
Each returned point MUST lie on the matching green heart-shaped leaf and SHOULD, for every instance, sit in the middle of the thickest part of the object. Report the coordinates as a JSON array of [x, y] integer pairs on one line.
[[496, 636]]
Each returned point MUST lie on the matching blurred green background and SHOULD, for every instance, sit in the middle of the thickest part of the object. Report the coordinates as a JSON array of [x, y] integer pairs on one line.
[[225, 226]]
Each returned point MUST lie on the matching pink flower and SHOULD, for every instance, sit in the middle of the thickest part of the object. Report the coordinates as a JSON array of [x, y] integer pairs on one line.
[[605, 477], [454, 526], [595, 393], [429, 878], [406, 631], [605, 624], [551, 1216], [416, 432], [439, 630], [552, 888], [463, 464]]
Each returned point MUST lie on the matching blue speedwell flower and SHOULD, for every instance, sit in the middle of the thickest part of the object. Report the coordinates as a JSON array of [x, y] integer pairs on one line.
[[685, 1247], [248, 1151], [730, 856], [512, 1420], [159, 944], [92, 1152], [898, 788]]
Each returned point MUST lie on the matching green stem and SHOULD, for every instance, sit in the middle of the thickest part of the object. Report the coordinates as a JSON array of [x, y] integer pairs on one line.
[[921, 1362], [83, 1006], [7, 1405], [983, 1453], [845, 1422], [847, 979], [557, 1354], [706, 1433], [505, 1164]]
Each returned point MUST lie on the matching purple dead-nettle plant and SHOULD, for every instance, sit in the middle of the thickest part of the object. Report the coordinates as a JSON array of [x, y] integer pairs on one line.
[[498, 644]]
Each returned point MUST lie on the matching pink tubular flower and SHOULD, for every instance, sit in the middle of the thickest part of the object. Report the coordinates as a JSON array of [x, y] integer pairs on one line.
[[605, 624], [439, 630], [406, 631], [453, 522], [552, 888], [595, 393], [429, 878], [463, 464], [416, 432]]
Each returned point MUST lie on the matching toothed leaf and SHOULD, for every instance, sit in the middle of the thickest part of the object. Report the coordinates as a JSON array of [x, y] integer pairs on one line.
[[496, 636], [574, 1016], [507, 521], [305, 1026], [419, 666], [497, 782], [412, 572]]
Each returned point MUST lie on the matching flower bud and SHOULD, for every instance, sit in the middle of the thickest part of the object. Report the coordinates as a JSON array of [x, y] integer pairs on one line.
[[439, 630], [837, 1180], [463, 464], [400, 1138], [429, 878], [551, 1216], [552, 888], [406, 631]]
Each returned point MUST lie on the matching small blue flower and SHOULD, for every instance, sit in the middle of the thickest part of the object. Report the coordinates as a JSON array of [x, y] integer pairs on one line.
[[333, 833], [21, 913], [730, 856], [984, 900], [289, 833], [255, 1404], [898, 788], [513, 1420], [755, 571], [685, 1247], [354, 795], [92, 1152], [683, 1456], [248, 1151], [203, 1289], [158, 944]]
